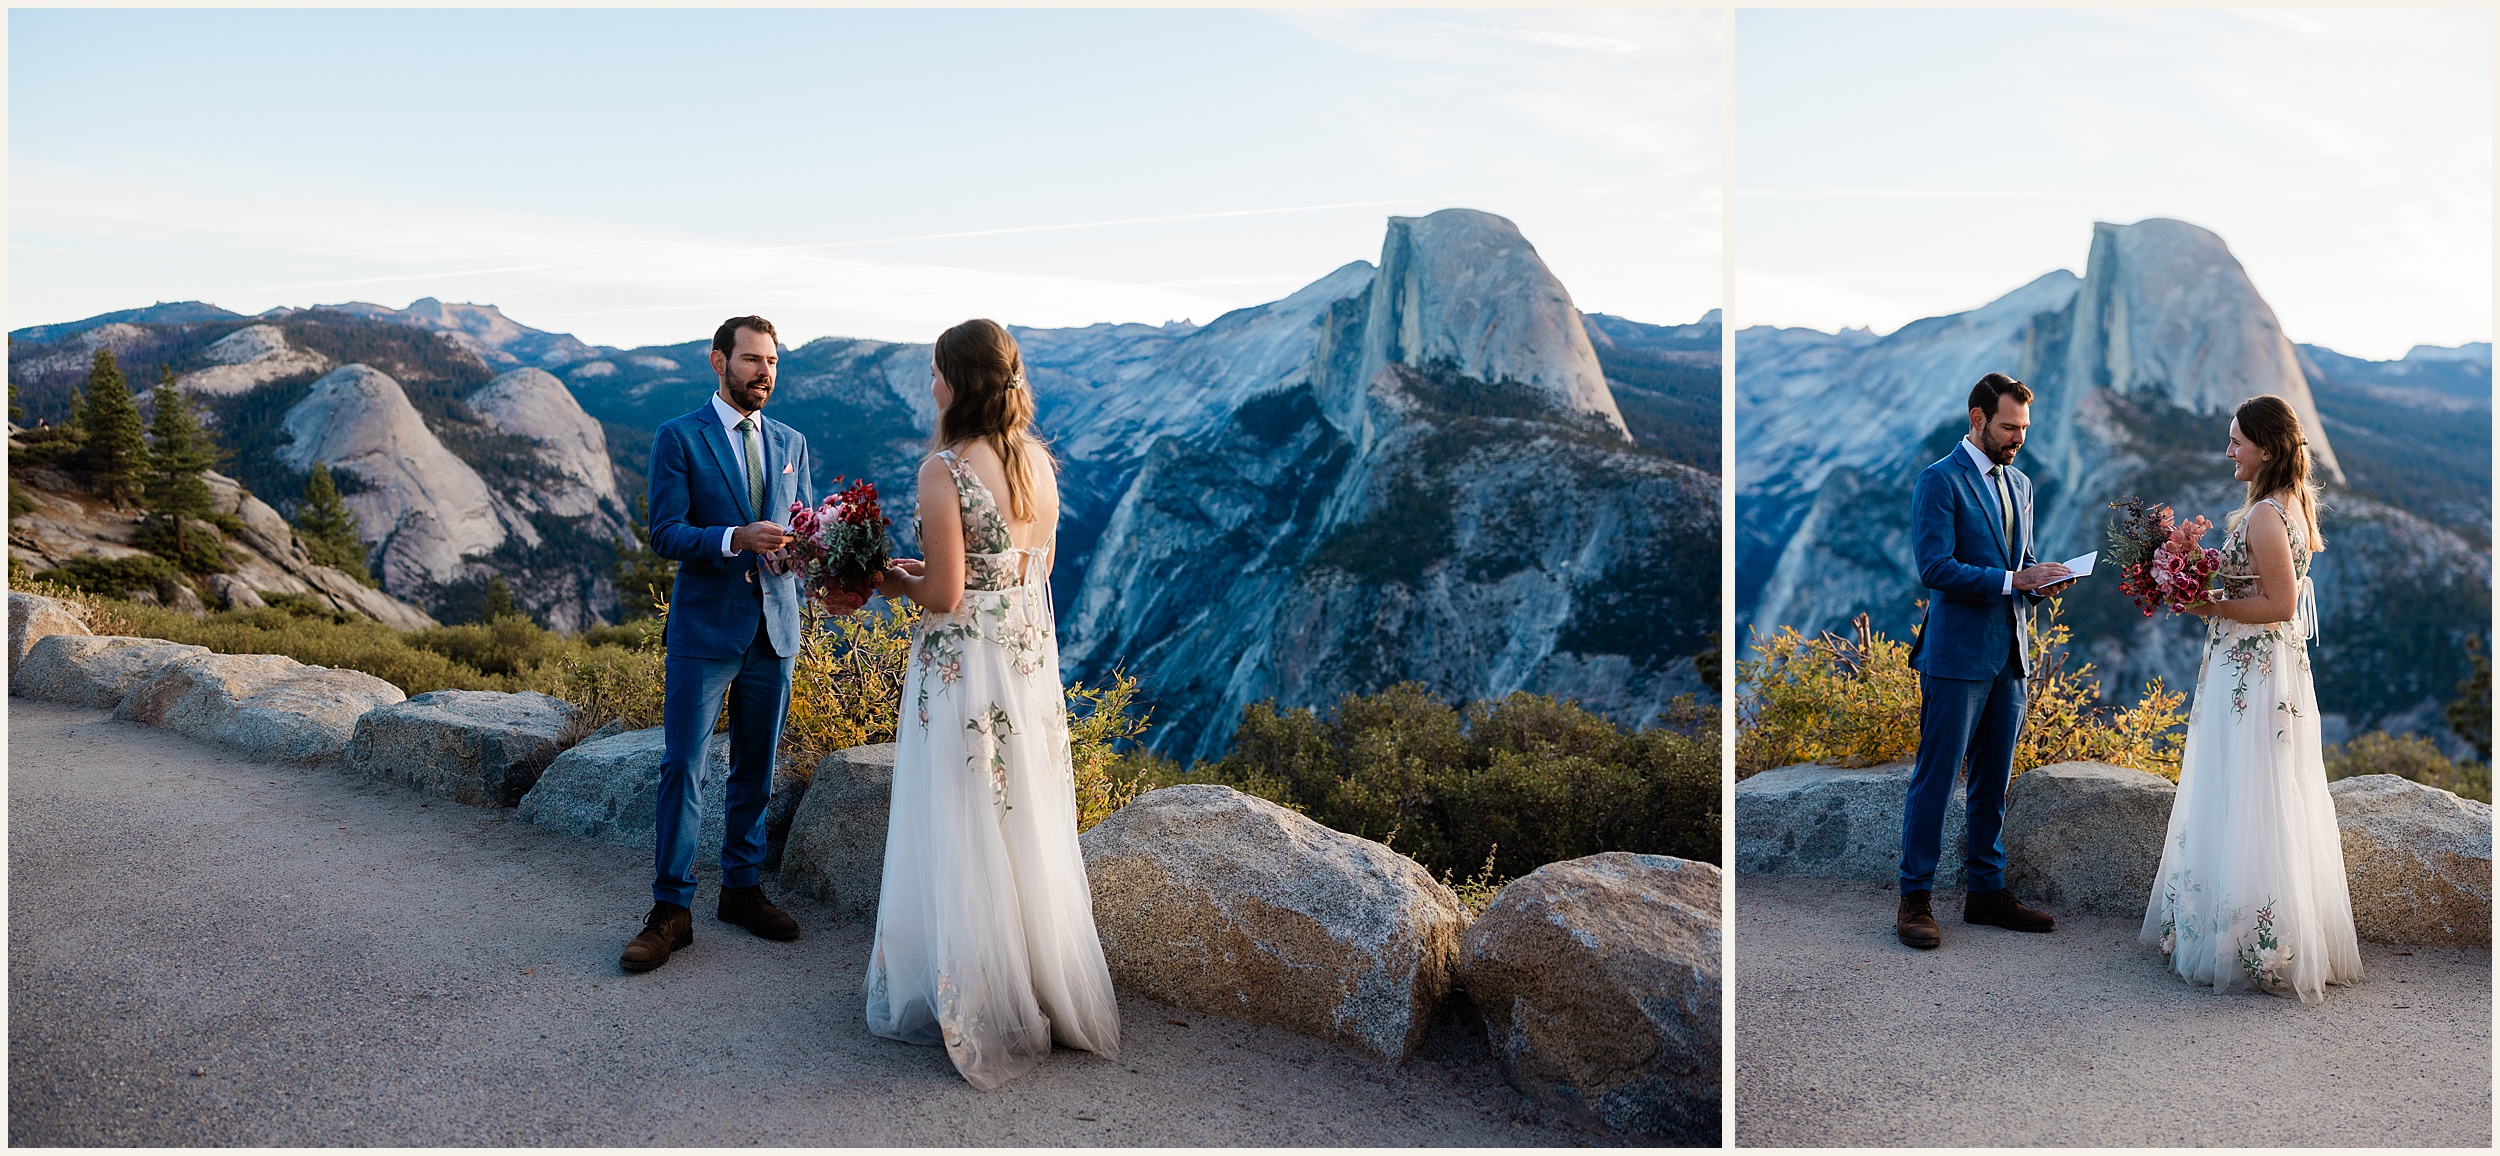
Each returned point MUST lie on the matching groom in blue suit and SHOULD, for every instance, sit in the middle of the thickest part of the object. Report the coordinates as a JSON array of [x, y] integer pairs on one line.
[[718, 475], [1971, 526]]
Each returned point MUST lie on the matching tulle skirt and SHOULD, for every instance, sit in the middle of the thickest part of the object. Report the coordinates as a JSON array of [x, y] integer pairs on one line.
[[2251, 892], [985, 925]]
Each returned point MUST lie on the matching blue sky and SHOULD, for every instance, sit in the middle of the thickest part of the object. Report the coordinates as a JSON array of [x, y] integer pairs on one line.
[[1893, 165], [632, 176]]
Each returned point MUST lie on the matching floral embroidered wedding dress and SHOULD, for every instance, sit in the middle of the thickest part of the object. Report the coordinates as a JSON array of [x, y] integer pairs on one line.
[[2251, 891], [985, 926]]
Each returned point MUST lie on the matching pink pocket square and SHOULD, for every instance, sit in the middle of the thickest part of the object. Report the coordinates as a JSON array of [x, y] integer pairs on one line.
[[789, 467]]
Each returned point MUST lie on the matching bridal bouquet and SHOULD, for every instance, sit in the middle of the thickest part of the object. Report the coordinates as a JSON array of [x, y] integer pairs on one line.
[[2162, 562], [838, 547]]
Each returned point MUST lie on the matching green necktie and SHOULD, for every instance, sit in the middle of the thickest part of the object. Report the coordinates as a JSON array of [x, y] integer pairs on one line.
[[755, 467], [2005, 506]]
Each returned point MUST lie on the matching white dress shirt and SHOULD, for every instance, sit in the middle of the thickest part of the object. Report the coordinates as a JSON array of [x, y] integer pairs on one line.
[[729, 419], [1977, 458]]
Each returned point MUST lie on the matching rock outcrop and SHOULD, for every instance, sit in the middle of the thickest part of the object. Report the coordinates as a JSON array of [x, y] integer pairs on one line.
[[1361, 522], [1599, 983], [478, 747], [1837, 822], [92, 670], [579, 476], [33, 618], [266, 555], [1463, 288], [247, 359], [2417, 860], [608, 788], [1215, 900], [267, 705], [2165, 310], [425, 511], [2086, 836], [836, 847]]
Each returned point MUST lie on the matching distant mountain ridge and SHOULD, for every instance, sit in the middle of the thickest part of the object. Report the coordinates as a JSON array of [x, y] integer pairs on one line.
[[2136, 365], [1566, 464]]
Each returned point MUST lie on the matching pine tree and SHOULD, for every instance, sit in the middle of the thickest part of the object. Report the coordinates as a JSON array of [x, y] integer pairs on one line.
[[176, 494], [329, 528], [116, 454], [2469, 716], [643, 577], [17, 413], [499, 603]]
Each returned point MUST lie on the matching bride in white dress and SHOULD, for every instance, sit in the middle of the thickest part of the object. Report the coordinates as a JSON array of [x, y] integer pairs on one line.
[[2251, 892], [985, 926]]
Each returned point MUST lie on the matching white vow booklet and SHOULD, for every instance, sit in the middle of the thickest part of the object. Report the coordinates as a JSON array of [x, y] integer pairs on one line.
[[2080, 567]]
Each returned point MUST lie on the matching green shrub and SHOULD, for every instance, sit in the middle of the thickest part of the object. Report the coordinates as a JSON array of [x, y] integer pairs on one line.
[[355, 644], [1500, 788], [2410, 756], [193, 545], [1854, 702], [629, 635], [117, 577], [609, 683], [503, 645]]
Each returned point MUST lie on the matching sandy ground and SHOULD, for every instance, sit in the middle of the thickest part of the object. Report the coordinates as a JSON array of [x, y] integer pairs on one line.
[[208, 950], [2080, 1037]]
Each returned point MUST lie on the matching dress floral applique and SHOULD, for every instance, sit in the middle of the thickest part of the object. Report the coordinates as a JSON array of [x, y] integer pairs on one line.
[[985, 942], [2251, 891]]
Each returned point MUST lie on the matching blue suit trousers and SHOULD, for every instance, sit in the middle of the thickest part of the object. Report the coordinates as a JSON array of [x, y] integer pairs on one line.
[[1977, 720], [757, 685]]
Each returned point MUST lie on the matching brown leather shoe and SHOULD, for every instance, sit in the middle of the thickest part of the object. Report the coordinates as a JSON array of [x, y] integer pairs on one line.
[[2002, 909], [1916, 924], [668, 928], [747, 907]]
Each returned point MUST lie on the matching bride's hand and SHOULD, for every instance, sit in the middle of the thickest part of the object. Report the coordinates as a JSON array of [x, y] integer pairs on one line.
[[2208, 608], [912, 566]]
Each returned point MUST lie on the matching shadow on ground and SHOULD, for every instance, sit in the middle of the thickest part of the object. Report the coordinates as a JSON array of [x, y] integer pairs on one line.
[[2080, 1037]]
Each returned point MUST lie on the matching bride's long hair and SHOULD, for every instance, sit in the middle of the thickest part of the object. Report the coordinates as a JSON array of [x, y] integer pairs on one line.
[[2270, 424], [993, 402]]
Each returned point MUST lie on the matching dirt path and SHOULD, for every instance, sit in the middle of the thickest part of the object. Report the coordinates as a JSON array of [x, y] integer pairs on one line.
[[207, 950], [2080, 1037]]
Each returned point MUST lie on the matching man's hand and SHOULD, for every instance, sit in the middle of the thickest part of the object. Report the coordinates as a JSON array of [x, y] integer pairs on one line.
[[2046, 574], [758, 537]]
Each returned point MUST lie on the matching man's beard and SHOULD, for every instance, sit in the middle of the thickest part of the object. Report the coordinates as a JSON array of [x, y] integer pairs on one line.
[[1999, 452], [745, 391]]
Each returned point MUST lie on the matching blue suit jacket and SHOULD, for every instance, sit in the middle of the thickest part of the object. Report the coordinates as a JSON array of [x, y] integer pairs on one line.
[[1972, 625], [698, 489]]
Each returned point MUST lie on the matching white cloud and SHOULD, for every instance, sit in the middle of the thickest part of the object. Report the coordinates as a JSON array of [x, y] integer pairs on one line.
[[559, 273]]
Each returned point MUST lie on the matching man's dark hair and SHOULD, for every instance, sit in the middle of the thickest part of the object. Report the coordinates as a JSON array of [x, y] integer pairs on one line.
[[726, 336], [1983, 396]]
